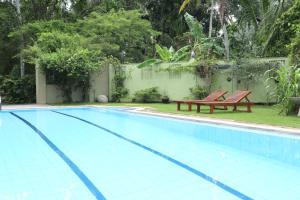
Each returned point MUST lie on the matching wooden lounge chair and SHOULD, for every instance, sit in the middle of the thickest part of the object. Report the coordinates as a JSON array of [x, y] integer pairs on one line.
[[214, 96], [239, 98]]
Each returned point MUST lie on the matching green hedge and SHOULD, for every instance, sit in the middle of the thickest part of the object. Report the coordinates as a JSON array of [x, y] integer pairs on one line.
[[18, 90], [149, 95]]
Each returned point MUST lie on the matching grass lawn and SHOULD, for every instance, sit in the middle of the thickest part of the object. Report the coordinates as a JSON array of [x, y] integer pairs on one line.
[[261, 114]]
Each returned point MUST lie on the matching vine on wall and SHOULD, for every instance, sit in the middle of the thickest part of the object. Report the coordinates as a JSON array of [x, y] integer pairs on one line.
[[118, 88]]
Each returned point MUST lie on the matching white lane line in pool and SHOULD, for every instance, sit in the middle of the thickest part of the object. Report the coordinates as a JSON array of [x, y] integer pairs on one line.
[[87, 182], [166, 157]]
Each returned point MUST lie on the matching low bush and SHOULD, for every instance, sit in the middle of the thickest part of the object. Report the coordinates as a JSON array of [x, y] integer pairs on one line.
[[149, 95], [287, 79], [199, 92], [18, 90]]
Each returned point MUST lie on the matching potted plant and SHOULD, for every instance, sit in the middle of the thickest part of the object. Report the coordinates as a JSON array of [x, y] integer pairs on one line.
[[165, 99]]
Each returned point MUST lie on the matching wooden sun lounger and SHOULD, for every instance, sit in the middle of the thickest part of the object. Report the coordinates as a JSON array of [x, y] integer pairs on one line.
[[214, 96], [235, 100]]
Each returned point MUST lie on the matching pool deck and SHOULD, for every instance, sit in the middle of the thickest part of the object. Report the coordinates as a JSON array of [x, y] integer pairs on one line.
[[227, 122], [140, 110], [24, 106]]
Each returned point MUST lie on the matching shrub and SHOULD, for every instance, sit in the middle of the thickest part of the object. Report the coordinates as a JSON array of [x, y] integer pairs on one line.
[[18, 90], [149, 95], [288, 85], [199, 92], [64, 56]]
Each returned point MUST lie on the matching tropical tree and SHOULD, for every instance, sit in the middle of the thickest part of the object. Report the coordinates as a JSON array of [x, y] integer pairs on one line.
[[65, 57], [204, 48], [8, 22], [114, 32], [288, 85], [222, 13], [294, 48], [279, 27], [185, 4]]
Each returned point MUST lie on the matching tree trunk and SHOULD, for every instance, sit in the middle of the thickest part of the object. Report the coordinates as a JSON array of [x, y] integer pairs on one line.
[[226, 41], [22, 67], [211, 19]]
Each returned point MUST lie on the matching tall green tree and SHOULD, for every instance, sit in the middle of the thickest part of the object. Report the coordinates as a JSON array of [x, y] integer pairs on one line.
[[276, 34], [222, 15], [67, 59], [8, 22], [115, 32]]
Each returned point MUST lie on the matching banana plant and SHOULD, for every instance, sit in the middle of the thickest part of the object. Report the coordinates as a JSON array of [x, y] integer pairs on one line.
[[288, 85], [205, 47], [223, 6], [167, 55]]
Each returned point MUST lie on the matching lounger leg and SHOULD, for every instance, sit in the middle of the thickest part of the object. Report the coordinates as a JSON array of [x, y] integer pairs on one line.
[[249, 108], [178, 106], [234, 108], [198, 108], [190, 106], [211, 110]]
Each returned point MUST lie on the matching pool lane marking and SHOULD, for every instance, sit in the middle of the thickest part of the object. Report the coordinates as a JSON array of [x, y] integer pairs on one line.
[[87, 182], [166, 157]]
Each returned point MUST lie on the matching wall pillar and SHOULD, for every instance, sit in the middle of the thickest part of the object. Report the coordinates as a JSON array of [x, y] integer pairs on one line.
[[99, 84], [40, 81]]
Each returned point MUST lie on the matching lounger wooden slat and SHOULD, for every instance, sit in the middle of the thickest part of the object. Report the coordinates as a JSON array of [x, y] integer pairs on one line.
[[214, 96], [235, 100]]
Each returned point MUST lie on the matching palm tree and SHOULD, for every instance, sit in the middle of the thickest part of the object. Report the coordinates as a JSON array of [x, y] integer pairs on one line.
[[262, 15]]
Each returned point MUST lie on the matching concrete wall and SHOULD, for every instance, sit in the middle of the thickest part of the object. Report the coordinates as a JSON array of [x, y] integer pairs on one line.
[[177, 84], [49, 93], [174, 84], [260, 93], [40, 82], [99, 84], [55, 95]]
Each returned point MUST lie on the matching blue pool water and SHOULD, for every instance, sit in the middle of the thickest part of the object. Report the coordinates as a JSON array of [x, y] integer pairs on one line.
[[91, 153]]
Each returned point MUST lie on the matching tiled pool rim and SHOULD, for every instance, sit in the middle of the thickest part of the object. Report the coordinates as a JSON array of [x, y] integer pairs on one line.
[[147, 111]]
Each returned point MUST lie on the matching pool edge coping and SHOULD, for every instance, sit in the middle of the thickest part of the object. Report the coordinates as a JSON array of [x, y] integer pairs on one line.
[[226, 122]]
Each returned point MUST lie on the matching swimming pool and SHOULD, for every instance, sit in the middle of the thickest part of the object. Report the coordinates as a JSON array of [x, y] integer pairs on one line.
[[94, 153]]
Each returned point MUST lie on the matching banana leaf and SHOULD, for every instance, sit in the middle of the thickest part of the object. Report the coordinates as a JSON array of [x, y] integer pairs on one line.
[[163, 53], [181, 53], [183, 5], [148, 63]]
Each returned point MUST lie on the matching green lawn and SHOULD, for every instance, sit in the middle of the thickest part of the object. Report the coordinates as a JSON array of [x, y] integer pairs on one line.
[[261, 114]]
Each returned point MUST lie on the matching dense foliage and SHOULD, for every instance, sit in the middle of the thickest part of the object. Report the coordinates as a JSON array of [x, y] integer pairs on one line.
[[17, 90], [71, 38], [114, 32], [8, 22], [288, 85], [64, 56], [69, 52], [294, 48], [199, 92], [257, 28], [283, 31]]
